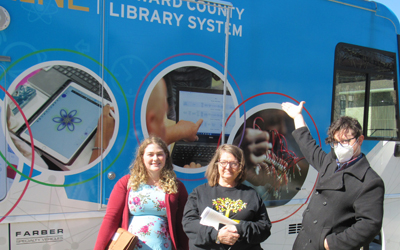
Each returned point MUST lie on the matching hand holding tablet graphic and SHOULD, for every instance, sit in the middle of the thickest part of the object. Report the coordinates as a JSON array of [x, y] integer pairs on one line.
[[105, 130]]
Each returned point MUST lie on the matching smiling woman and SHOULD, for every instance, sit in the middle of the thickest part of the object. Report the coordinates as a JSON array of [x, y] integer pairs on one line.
[[154, 160], [148, 201]]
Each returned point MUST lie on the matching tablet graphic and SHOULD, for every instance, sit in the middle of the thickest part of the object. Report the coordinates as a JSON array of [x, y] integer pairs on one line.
[[65, 125]]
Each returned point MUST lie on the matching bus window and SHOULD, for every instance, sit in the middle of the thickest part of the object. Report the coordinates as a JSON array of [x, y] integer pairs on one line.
[[365, 88]]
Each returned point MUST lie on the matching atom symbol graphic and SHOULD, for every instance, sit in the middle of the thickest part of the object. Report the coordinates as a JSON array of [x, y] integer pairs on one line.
[[67, 120]]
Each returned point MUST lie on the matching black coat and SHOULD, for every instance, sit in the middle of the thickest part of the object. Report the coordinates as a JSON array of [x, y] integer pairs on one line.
[[346, 207]]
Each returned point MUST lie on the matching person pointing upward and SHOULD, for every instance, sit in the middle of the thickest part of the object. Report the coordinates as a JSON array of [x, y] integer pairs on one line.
[[346, 209]]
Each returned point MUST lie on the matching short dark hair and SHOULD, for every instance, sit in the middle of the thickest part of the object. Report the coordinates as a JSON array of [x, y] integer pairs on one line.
[[344, 123], [212, 173]]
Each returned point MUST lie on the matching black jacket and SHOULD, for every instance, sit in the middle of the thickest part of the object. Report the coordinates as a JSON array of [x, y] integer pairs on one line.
[[346, 207]]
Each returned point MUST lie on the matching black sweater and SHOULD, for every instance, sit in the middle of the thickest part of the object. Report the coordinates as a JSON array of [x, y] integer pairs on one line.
[[254, 226]]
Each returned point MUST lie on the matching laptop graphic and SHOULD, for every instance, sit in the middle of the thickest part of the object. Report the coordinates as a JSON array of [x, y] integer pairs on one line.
[[50, 79], [198, 103]]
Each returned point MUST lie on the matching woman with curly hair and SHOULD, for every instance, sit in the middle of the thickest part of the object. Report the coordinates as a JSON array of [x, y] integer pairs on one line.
[[148, 202]]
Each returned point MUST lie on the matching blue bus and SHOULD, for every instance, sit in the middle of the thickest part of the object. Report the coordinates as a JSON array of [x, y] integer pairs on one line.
[[77, 76]]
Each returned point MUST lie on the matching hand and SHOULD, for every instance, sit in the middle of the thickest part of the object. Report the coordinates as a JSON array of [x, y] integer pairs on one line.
[[192, 165], [293, 110], [255, 145], [228, 235], [188, 130], [104, 132], [106, 129], [326, 244]]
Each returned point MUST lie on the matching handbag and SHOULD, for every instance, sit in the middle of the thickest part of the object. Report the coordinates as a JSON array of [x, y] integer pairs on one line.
[[123, 240]]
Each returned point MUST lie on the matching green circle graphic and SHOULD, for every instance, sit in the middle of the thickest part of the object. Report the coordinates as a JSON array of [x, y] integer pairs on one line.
[[127, 115]]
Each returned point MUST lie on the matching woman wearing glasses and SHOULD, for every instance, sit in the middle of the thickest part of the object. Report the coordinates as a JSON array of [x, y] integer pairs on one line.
[[346, 209], [226, 194]]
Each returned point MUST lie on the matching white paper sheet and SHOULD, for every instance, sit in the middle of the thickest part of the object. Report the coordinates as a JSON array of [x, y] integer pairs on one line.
[[212, 218]]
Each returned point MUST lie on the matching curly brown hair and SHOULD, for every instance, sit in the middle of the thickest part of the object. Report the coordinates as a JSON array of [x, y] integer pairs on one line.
[[212, 173], [344, 123], [138, 171]]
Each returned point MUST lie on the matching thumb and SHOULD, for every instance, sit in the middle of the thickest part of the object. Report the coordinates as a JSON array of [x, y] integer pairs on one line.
[[302, 104]]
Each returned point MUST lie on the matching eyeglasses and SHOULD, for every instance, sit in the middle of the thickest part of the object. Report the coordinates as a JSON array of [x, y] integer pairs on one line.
[[343, 143], [233, 164]]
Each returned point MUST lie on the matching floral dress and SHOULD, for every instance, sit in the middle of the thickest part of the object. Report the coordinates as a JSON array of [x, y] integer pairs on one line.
[[148, 218]]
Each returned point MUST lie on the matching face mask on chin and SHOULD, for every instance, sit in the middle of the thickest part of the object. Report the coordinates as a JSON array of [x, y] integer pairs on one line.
[[345, 153]]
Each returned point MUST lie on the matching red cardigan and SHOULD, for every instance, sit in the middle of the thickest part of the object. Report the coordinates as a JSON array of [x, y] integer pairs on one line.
[[117, 215]]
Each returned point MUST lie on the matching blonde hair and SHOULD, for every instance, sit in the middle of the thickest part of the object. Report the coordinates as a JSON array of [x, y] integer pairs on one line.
[[138, 171], [212, 173]]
